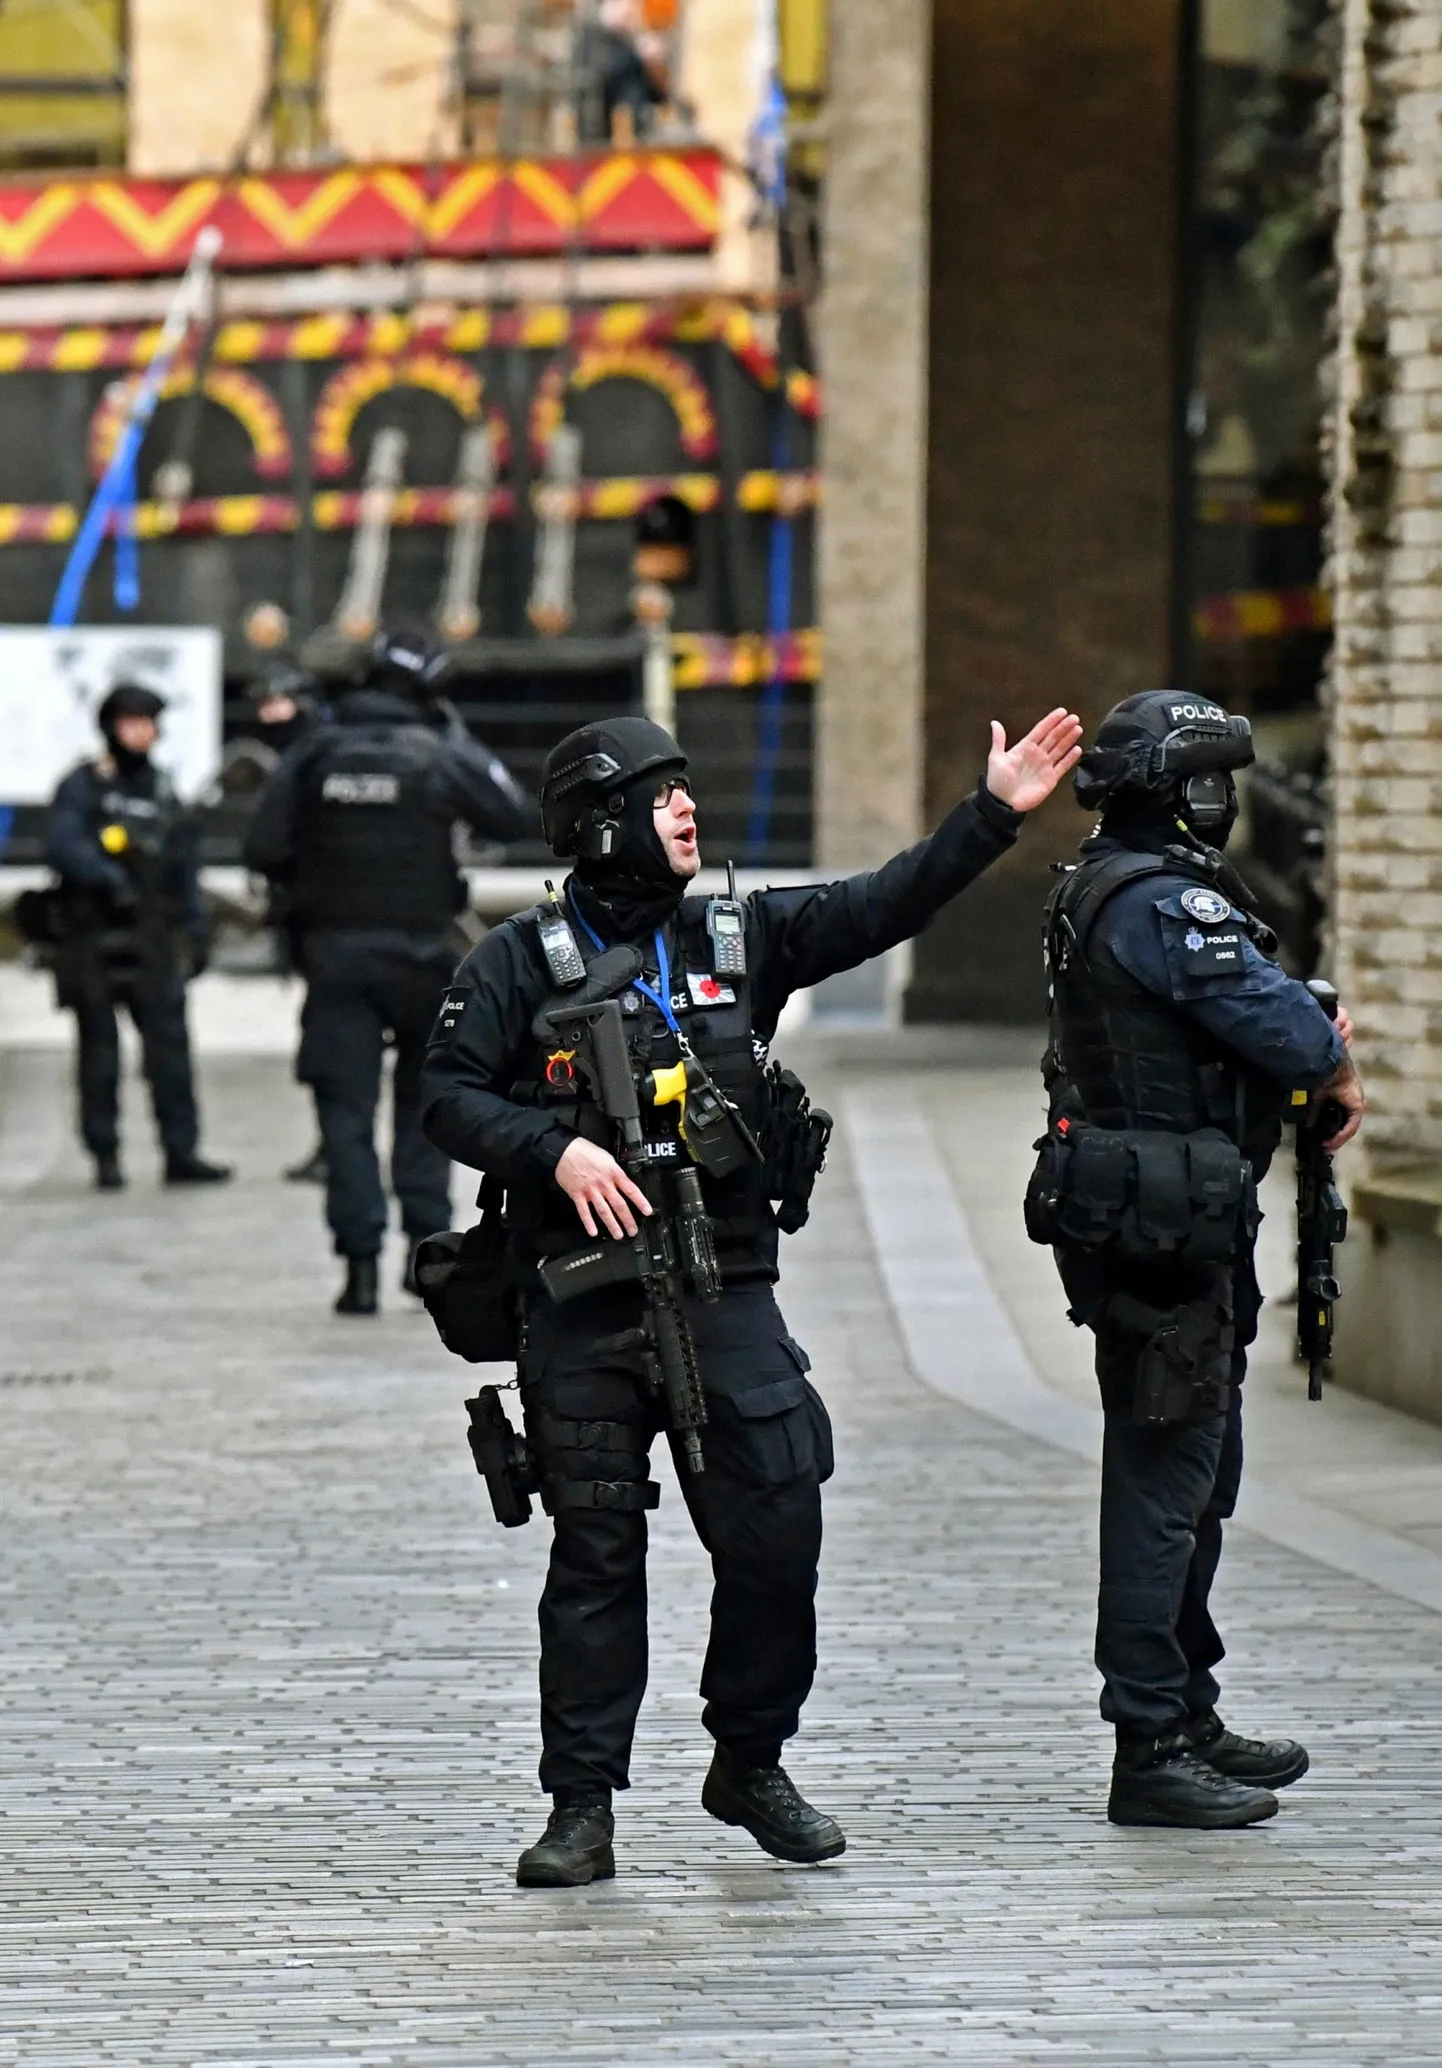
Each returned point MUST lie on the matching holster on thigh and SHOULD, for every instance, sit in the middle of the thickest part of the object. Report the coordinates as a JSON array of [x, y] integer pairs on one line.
[[1180, 1357], [591, 1464]]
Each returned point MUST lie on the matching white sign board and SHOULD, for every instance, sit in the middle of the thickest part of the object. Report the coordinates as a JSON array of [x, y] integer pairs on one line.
[[52, 683]]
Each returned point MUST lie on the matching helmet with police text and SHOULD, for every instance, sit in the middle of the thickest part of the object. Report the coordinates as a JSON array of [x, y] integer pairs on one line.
[[586, 776], [127, 700], [1177, 749], [408, 662]]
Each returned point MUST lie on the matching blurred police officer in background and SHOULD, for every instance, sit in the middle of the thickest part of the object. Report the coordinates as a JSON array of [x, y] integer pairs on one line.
[[131, 927], [355, 832], [1172, 1022], [509, 1101]]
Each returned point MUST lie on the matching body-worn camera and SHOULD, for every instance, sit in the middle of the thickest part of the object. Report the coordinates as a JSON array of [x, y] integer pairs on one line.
[[503, 1458]]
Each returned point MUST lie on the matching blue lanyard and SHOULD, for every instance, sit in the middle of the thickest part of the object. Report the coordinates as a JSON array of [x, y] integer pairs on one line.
[[661, 997]]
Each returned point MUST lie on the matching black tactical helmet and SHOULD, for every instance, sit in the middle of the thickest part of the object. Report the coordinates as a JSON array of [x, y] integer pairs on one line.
[[1163, 741], [585, 775], [407, 661], [127, 700]]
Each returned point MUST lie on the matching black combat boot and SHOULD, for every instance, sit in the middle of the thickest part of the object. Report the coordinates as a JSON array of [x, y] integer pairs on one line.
[[1264, 1762], [184, 1167], [765, 1801], [109, 1177], [574, 1848], [361, 1292], [1162, 1781]]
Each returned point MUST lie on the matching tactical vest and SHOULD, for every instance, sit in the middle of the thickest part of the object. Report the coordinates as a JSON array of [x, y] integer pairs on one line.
[[372, 853], [135, 830], [1133, 1059], [715, 1017]]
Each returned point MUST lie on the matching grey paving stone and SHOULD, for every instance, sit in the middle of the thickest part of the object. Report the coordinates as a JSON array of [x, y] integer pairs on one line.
[[267, 1688]]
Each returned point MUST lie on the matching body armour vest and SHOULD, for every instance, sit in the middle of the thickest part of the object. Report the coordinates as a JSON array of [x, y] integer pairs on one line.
[[135, 824], [372, 852], [715, 1018], [1133, 1059]]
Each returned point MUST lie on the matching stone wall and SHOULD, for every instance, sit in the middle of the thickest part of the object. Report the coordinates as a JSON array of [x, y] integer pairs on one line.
[[1386, 686], [1053, 239]]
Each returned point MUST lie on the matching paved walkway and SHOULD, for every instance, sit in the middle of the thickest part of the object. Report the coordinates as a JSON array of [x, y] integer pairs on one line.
[[266, 1709]]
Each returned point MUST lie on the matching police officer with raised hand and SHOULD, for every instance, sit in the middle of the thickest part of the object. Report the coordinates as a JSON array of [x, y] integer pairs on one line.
[[355, 830], [131, 926], [1177, 1044], [509, 1096]]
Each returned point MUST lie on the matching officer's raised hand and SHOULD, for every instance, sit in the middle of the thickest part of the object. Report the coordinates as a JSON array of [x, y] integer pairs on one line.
[[591, 1177], [1025, 775]]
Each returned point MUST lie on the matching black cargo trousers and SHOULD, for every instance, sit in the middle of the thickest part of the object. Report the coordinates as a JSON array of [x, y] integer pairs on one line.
[[365, 991], [152, 991], [1166, 1493], [591, 1420]]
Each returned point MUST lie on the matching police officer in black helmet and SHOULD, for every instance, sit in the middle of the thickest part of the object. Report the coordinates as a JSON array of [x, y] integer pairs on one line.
[[355, 830], [616, 799], [132, 927], [1177, 1043]]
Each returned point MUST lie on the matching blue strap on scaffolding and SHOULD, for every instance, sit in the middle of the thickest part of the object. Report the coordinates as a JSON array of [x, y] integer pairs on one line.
[[114, 502], [768, 164]]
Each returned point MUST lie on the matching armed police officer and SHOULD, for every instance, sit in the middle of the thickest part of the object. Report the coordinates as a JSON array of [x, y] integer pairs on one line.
[[355, 831], [1177, 1042], [510, 1091], [130, 927]]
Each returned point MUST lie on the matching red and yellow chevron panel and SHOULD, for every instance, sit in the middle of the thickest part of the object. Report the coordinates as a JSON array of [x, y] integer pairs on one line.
[[1261, 614], [113, 227]]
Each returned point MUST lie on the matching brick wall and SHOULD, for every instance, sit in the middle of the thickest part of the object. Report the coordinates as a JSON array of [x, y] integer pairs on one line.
[[1053, 242], [1386, 568]]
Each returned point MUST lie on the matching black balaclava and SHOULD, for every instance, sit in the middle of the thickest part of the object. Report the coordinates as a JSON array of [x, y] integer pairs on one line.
[[598, 789], [127, 700], [634, 890]]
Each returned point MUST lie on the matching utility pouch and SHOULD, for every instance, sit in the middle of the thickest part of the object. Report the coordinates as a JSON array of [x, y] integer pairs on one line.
[[468, 1287], [1141, 1194], [39, 918], [503, 1458], [795, 1139], [714, 1132]]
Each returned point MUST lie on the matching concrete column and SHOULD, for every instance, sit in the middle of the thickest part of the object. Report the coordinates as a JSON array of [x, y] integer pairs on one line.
[[873, 340], [1386, 688]]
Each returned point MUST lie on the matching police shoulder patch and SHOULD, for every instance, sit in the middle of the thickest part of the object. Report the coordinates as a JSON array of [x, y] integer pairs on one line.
[[1207, 907], [453, 1005]]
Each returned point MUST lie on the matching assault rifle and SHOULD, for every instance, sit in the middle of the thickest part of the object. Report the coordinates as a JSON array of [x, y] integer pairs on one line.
[[672, 1252], [1321, 1222]]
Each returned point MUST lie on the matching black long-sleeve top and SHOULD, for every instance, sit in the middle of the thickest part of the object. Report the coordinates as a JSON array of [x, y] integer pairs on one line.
[[794, 938]]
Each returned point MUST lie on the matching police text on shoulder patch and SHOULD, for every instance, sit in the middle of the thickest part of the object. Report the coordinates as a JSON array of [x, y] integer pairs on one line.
[[1207, 907], [449, 1016]]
